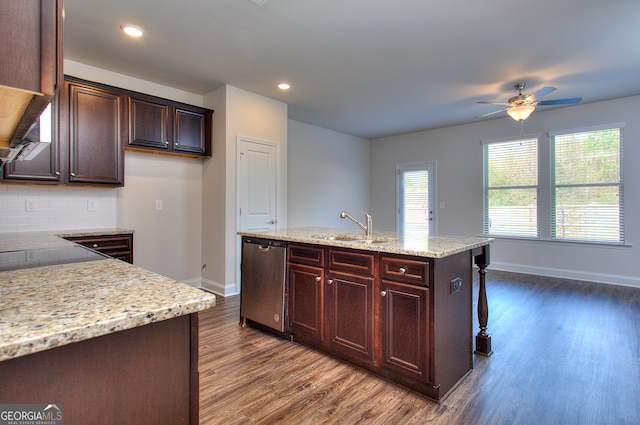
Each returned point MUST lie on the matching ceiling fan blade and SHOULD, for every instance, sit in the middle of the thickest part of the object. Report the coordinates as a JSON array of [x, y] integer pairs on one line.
[[491, 113], [569, 101], [494, 103], [541, 93]]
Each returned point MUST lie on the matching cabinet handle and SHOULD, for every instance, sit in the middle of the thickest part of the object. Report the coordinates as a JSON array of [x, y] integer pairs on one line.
[[57, 173], [73, 174], [318, 279], [383, 293], [330, 281], [402, 270], [95, 245]]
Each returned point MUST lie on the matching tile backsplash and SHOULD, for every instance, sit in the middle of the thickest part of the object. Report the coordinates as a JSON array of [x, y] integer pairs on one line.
[[26, 208]]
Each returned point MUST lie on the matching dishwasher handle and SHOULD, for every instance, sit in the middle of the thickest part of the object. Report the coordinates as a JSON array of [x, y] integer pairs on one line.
[[265, 244]]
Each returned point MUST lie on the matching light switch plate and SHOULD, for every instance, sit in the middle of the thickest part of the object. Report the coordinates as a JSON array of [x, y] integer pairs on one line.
[[158, 204]]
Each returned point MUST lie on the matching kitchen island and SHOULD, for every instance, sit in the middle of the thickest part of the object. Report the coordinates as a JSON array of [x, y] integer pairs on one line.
[[110, 342], [397, 305]]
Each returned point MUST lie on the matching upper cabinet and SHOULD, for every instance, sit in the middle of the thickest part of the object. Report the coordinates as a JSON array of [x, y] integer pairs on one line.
[[88, 128], [31, 36], [164, 126], [92, 124], [94, 130]]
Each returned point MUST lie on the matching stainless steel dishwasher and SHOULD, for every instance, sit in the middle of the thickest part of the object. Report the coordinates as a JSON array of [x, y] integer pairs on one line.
[[262, 282]]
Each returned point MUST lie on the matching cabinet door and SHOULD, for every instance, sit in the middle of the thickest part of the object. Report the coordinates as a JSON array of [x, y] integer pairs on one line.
[[190, 131], [306, 302], [95, 136], [148, 125], [405, 331], [350, 307], [44, 167]]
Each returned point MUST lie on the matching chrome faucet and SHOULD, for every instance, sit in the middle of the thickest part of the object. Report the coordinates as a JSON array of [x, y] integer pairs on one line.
[[367, 229]]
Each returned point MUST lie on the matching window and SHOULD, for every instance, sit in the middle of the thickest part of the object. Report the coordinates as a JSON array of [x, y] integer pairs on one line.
[[587, 190], [511, 188], [566, 188], [415, 198]]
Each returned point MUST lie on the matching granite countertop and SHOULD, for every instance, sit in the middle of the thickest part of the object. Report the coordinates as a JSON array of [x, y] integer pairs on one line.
[[410, 244], [47, 307], [20, 241]]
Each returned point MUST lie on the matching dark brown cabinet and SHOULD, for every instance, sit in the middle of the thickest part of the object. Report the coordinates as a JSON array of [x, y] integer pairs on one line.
[[92, 125], [95, 127], [306, 302], [350, 305], [306, 280], [168, 127], [31, 39], [88, 127], [405, 334], [331, 305], [118, 246], [403, 317], [44, 167]]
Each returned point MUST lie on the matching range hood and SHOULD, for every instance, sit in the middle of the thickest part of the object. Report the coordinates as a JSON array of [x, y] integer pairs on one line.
[[37, 139]]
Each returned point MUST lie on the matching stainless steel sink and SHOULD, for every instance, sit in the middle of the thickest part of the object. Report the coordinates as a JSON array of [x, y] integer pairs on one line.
[[352, 238]]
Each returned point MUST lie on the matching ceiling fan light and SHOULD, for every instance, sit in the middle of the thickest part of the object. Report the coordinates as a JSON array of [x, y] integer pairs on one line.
[[520, 113]]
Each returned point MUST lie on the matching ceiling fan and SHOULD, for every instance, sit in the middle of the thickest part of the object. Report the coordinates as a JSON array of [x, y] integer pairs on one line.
[[522, 105]]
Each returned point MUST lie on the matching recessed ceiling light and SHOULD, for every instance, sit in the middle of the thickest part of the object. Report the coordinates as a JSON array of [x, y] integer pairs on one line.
[[132, 30], [284, 86]]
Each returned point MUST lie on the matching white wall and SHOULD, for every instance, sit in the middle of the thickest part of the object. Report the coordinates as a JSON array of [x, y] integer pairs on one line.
[[255, 117], [458, 153], [166, 241], [56, 208], [328, 173]]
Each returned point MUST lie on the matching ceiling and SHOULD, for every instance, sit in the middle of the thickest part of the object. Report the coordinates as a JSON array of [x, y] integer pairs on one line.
[[369, 68]]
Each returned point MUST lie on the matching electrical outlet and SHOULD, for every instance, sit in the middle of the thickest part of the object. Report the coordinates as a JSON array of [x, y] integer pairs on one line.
[[158, 204], [455, 285], [31, 205], [92, 205]]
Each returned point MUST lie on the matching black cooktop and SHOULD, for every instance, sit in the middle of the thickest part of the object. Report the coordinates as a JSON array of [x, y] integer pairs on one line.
[[26, 259]]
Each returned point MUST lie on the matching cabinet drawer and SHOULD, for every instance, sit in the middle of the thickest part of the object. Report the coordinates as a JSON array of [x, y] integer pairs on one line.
[[350, 261], [306, 254], [414, 271], [116, 246]]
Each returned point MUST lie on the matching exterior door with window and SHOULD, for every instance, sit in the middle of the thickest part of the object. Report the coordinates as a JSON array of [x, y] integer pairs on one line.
[[416, 198]]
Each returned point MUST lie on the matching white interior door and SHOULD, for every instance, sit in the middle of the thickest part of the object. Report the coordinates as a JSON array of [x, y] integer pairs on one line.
[[258, 185]]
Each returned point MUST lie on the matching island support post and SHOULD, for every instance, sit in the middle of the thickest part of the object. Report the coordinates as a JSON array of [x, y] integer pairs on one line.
[[483, 339]]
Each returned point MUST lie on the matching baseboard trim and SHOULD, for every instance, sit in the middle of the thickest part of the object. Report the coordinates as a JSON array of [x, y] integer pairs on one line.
[[196, 283], [567, 274], [218, 288]]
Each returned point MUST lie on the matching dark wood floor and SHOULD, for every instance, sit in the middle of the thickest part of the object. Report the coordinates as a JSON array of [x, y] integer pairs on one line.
[[565, 352]]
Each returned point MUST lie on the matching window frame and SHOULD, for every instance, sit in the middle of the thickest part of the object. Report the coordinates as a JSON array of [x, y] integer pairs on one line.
[[554, 187], [486, 189], [546, 184]]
